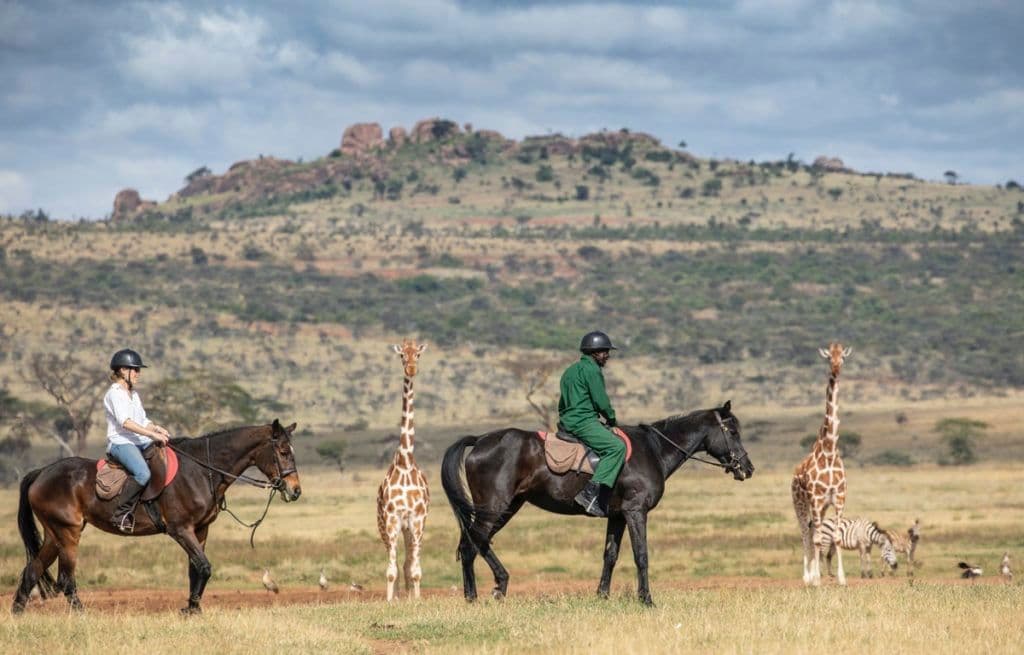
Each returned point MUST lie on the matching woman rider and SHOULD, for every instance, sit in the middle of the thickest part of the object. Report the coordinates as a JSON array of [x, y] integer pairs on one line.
[[129, 432]]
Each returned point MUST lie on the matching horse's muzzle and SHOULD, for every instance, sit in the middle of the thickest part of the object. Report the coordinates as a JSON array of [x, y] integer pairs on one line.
[[741, 469]]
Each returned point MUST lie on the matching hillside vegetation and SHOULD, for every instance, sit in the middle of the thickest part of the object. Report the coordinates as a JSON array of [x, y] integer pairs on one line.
[[718, 279]]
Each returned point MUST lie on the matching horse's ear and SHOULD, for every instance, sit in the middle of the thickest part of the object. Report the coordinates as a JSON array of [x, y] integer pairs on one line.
[[727, 406], [291, 428], [276, 425]]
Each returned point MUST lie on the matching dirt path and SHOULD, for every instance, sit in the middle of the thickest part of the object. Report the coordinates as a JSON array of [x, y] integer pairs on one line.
[[145, 601]]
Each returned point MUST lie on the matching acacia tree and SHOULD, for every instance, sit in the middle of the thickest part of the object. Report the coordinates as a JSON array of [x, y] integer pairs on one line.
[[76, 389], [202, 400], [532, 374]]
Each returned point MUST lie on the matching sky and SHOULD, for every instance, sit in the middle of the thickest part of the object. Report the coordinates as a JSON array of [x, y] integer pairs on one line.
[[100, 96]]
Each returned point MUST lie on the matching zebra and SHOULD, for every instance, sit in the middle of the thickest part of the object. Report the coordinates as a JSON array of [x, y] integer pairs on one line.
[[906, 544], [856, 534]]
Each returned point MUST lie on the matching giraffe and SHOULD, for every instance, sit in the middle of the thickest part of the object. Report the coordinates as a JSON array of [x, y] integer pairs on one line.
[[403, 498], [820, 479]]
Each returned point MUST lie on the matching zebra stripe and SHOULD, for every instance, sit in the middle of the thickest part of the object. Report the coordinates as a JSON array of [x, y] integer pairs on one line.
[[856, 534]]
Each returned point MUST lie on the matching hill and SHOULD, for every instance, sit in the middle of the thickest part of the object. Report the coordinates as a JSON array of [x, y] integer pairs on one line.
[[719, 279]]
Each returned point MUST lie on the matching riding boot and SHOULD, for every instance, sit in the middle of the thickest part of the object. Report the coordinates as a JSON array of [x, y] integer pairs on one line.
[[589, 499], [123, 518]]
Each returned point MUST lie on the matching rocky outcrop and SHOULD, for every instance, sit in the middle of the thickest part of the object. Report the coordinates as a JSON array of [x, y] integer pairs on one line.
[[433, 129], [127, 203], [398, 137], [830, 164], [361, 138]]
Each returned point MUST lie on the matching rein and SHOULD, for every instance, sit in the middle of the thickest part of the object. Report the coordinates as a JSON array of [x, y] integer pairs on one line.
[[689, 455], [222, 503]]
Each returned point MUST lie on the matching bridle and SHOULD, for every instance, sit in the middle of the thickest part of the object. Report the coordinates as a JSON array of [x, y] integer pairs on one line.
[[734, 460], [275, 484]]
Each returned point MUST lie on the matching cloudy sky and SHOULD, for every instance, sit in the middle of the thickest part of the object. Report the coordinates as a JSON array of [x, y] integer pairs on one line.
[[99, 96]]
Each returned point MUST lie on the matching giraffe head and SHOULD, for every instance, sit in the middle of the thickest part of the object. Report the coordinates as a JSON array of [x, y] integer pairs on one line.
[[836, 355], [410, 353]]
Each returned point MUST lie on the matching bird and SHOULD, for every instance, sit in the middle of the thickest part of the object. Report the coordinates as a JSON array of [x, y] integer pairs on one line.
[[323, 581], [1004, 569], [355, 586], [970, 571], [269, 583]]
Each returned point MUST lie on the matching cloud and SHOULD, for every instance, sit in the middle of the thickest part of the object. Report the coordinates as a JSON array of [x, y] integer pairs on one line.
[[192, 83], [15, 192]]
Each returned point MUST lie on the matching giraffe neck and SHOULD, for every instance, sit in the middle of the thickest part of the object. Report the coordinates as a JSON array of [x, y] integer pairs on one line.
[[828, 435], [408, 433]]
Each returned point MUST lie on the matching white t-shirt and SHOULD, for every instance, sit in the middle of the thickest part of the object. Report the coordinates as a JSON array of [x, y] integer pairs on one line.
[[120, 405]]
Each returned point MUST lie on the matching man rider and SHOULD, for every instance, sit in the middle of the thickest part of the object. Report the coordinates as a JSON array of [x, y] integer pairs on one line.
[[583, 401]]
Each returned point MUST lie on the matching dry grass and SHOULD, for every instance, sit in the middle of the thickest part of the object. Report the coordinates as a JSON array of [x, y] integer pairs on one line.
[[725, 567]]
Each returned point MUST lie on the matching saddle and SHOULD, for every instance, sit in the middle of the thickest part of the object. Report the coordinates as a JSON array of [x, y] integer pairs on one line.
[[111, 476], [564, 452]]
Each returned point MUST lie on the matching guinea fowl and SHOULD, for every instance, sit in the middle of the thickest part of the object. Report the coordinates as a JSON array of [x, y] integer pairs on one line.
[[969, 571]]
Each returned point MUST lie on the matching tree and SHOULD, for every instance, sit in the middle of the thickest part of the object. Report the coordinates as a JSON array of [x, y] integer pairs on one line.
[[200, 400], [76, 389], [202, 171], [532, 374], [333, 451], [951, 177], [960, 434]]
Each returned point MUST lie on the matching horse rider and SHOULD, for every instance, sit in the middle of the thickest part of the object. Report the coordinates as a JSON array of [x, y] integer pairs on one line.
[[583, 402], [129, 432]]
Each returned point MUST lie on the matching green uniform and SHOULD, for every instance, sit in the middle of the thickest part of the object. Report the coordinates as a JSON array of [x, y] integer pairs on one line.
[[583, 401]]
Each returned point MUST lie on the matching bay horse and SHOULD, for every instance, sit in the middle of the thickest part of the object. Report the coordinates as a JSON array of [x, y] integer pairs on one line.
[[506, 469], [63, 497]]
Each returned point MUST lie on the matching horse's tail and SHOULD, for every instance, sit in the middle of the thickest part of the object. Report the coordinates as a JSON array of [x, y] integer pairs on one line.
[[451, 480], [30, 534]]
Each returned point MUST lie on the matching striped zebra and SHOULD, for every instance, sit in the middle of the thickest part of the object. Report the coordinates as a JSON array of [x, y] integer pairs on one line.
[[856, 534], [906, 544]]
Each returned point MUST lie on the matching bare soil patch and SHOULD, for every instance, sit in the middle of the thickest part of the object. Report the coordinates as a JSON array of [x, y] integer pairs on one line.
[[149, 601]]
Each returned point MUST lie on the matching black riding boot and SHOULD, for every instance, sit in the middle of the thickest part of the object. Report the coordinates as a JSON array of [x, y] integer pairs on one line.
[[123, 518], [590, 499]]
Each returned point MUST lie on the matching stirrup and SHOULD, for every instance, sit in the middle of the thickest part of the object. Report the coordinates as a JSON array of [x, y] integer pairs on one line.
[[126, 524]]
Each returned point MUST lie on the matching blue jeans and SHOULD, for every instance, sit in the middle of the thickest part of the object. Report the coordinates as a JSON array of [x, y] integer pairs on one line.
[[130, 457]]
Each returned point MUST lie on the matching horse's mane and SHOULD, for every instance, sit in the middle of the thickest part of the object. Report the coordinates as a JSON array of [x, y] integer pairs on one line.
[[691, 417], [179, 440]]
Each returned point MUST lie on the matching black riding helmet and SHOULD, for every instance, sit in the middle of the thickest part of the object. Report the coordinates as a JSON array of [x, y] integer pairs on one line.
[[595, 341], [126, 358]]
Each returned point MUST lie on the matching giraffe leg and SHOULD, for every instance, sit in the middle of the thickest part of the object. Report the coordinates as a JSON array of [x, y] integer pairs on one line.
[[840, 573], [803, 519], [392, 544], [816, 541], [413, 541]]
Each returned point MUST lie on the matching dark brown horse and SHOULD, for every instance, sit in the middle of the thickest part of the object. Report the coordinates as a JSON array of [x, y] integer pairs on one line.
[[63, 497], [506, 468]]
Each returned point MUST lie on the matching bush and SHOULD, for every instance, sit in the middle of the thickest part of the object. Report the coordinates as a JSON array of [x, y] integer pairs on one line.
[[582, 192], [711, 187], [959, 435], [892, 458], [545, 173]]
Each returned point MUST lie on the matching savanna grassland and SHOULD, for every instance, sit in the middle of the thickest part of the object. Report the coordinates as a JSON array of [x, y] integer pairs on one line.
[[717, 279], [725, 574]]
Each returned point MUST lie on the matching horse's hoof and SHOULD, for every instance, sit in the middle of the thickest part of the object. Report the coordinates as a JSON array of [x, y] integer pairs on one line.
[[191, 611], [497, 594], [77, 605], [648, 602], [18, 608]]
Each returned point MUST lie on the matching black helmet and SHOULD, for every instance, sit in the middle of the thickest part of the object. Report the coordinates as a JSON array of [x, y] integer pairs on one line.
[[126, 358], [595, 341]]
